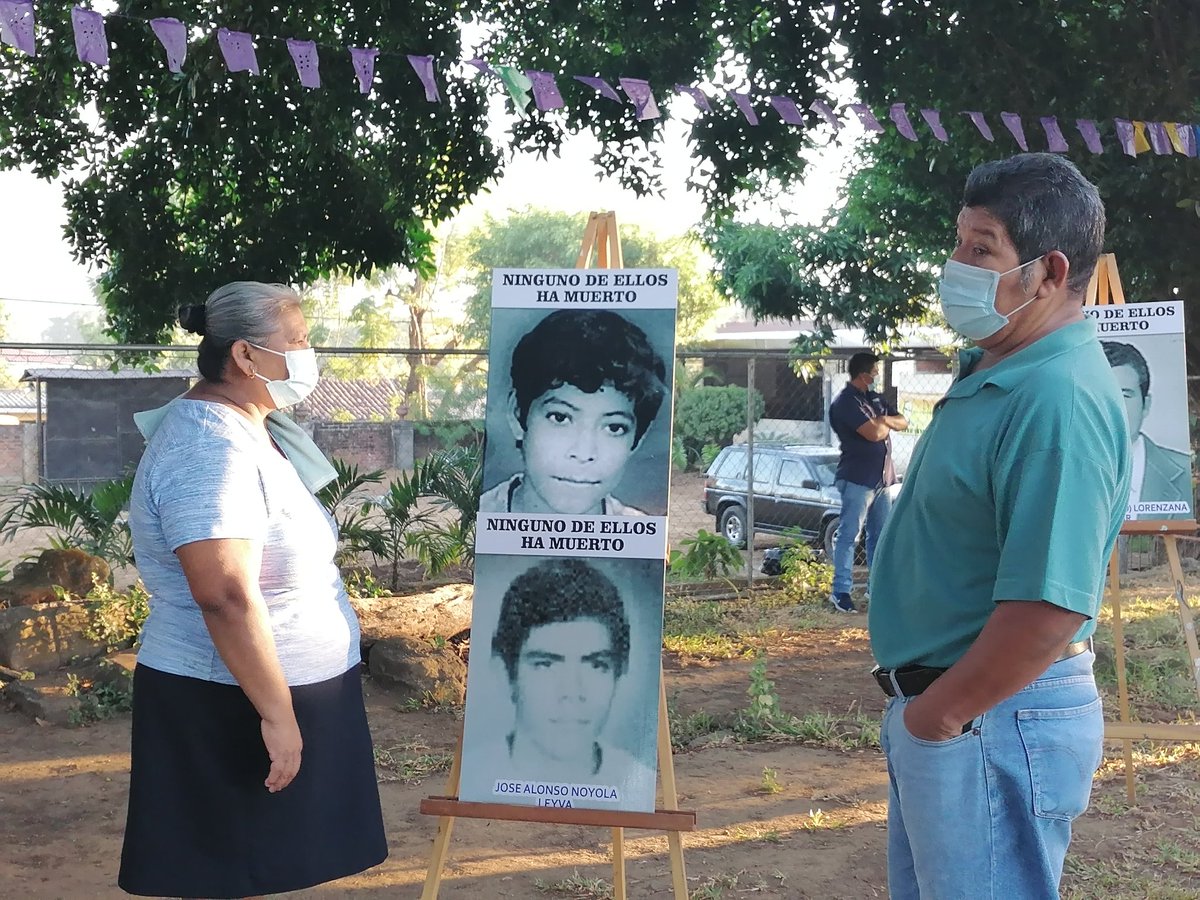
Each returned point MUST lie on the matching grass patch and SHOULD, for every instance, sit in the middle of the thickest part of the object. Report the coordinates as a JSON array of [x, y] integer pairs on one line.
[[1156, 658], [717, 887], [576, 887], [769, 783], [738, 628], [1125, 878], [410, 763], [685, 729]]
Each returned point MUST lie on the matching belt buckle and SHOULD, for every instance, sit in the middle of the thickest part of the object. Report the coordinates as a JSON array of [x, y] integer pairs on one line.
[[889, 675]]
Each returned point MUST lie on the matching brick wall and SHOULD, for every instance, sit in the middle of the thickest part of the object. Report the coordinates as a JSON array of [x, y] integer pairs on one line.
[[368, 445], [12, 454]]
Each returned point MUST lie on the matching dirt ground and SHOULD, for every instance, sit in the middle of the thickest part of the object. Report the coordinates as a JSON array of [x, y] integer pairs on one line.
[[815, 828]]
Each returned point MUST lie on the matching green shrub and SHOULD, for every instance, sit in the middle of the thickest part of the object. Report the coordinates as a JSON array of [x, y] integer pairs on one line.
[[806, 578], [711, 416], [706, 556], [116, 617]]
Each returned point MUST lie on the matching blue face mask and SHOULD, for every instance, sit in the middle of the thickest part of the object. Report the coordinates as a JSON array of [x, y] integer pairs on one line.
[[968, 295]]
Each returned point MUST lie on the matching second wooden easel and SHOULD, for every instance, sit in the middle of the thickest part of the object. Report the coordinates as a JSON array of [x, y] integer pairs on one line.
[[602, 241], [1106, 288]]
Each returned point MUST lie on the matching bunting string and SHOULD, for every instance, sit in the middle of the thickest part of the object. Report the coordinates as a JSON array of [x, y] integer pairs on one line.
[[526, 87]]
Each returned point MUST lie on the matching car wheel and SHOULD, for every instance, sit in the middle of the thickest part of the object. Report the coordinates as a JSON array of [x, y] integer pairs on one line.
[[829, 537], [829, 541], [733, 525]]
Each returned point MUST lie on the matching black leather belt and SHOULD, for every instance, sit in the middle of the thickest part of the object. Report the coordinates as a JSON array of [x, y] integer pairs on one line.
[[909, 681]]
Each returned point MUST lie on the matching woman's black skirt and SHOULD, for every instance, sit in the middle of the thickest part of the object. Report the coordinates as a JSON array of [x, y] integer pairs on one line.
[[201, 823]]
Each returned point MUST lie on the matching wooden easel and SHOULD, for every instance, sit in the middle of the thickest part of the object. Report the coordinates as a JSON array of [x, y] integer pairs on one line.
[[1105, 288], [602, 240]]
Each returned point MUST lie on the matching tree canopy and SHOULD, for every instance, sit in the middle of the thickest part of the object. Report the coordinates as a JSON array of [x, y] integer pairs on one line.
[[195, 179], [190, 180], [538, 238], [895, 220]]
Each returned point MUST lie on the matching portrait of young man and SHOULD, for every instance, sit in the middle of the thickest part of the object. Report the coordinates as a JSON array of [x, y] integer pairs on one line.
[[577, 409], [563, 688], [1160, 474]]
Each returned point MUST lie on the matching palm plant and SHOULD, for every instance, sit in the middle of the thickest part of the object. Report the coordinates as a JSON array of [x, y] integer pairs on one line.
[[428, 515], [353, 510], [91, 522]]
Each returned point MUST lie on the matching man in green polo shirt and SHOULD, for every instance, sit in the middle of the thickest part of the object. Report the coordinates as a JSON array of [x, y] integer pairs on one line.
[[987, 581]]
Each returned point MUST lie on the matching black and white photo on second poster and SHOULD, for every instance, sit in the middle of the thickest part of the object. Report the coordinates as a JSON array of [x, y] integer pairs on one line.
[[562, 689], [578, 409], [1144, 344]]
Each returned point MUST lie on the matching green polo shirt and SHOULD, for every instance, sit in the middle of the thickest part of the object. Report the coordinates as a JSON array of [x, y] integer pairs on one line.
[[1016, 491]]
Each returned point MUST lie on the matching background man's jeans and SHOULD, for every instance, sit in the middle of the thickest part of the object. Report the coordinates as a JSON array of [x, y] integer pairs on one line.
[[860, 505], [988, 814]]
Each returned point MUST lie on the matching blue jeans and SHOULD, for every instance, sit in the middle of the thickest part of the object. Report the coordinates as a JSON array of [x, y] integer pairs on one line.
[[860, 505], [988, 814]]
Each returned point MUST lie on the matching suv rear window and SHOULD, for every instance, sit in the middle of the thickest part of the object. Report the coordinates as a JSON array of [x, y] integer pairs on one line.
[[732, 466]]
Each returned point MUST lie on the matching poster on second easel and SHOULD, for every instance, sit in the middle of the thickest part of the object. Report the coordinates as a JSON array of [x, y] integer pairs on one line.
[[571, 541], [1144, 344]]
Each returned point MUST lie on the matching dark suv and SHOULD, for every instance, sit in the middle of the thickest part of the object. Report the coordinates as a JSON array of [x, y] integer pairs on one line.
[[793, 491]]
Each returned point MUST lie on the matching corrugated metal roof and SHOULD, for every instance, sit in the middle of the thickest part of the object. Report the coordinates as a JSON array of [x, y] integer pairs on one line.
[[67, 373], [365, 400], [18, 399]]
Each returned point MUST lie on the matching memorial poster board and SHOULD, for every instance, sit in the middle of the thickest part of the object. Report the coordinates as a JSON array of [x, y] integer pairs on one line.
[[566, 630]]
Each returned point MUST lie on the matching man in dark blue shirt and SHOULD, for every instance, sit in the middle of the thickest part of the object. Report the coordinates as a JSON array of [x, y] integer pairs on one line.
[[864, 423]]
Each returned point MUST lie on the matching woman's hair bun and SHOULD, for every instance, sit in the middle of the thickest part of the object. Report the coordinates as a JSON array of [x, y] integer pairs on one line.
[[193, 318]]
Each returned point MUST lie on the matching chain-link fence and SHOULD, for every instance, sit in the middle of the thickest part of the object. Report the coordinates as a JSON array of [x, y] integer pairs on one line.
[[66, 417]]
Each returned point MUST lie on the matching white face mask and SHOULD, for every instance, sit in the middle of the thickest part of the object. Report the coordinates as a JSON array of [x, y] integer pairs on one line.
[[301, 380], [968, 295]]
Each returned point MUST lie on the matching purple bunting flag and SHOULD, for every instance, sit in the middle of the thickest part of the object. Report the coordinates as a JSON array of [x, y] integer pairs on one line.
[[933, 119], [1091, 134], [1187, 138], [742, 99], [981, 123], [545, 90], [1012, 122], [600, 86], [1125, 136], [17, 25], [91, 43], [697, 96], [481, 65], [787, 109], [1158, 138], [866, 117], [172, 34], [363, 60], [1055, 142], [825, 111], [237, 48], [423, 66], [638, 90], [306, 61], [899, 115]]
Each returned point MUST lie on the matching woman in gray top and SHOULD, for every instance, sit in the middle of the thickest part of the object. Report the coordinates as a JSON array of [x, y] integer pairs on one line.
[[252, 766]]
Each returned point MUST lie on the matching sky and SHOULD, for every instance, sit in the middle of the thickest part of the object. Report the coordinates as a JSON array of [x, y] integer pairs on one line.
[[39, 279]]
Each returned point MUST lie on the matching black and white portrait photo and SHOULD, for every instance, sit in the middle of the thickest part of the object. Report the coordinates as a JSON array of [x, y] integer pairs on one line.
[[563, 685], [578, 413], [1144, 345]]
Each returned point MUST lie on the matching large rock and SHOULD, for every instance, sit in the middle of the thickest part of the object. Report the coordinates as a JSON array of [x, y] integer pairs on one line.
[[45, 636], [418, 671], [440, 612], [34, 582]]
